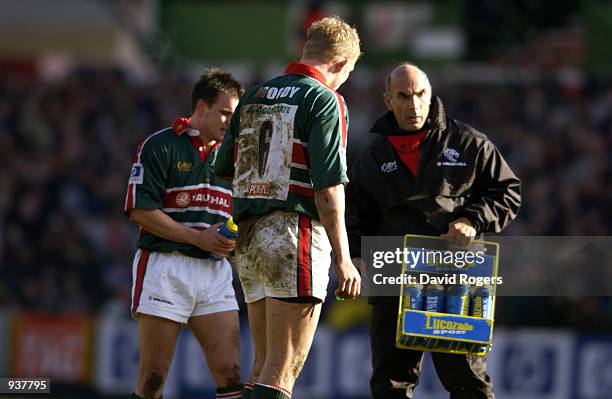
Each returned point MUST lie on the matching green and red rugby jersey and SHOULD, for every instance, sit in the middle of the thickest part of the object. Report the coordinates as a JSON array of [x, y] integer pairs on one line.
[[286, 139], [173, 172]]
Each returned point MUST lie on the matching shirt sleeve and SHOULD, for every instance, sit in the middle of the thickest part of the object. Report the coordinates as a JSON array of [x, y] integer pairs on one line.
[[327, 141], [224, 163], [147, 184], [497, 193]]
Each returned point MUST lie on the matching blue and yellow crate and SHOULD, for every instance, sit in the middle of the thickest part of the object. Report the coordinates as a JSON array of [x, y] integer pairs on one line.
[[447, 332]]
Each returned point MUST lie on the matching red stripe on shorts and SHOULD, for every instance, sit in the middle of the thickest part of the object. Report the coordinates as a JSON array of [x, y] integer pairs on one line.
[[141, 270], [304, 277]]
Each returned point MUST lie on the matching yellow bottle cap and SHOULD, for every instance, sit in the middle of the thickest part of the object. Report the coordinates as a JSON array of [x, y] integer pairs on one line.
[[231, 226]]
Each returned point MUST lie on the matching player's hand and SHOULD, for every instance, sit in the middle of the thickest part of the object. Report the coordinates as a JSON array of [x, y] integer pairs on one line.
[[460, 233], [349, 281], [210, 240]]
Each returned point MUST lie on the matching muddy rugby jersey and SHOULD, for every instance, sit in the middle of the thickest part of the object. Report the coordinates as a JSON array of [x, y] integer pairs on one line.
[[286, 139], [173, 172]]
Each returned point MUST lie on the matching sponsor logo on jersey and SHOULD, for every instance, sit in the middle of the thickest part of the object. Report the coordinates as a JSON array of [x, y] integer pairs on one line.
[[273, 93], [267, 110], [259, 189], [195, 198], [183, 199], [388, 167], [451, 158], [211, 199], [137, 174], [184, 166]]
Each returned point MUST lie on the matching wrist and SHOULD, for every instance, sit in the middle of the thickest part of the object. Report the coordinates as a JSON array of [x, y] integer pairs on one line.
[[190, 235], [341, 258]]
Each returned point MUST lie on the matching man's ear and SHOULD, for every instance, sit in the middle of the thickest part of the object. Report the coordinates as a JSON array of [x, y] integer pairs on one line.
[[201, 107], [387, 100], [337, 67]]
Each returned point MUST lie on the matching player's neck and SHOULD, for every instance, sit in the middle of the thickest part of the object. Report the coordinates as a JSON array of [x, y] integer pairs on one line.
[[207, 140], [322, 67]]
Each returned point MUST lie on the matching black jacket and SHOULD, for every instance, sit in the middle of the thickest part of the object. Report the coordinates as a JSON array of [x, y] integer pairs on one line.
[[461, 174]]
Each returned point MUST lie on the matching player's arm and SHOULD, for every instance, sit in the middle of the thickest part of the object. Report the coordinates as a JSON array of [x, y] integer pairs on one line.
[[145, 198], [327, 158], [158, 223], [330, 205]]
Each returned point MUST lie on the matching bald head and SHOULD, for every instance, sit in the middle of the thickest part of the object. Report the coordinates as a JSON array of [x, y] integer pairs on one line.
[[408, 96], [406, 71]]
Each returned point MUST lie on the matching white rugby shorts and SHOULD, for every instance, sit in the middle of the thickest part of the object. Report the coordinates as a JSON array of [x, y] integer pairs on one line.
[[178, 287], [282, 255]]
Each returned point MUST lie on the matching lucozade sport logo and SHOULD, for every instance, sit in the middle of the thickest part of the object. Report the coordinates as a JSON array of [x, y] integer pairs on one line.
[[441, 326]]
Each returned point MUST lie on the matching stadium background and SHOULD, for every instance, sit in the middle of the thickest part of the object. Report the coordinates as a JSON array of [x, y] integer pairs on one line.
[[82, 82]]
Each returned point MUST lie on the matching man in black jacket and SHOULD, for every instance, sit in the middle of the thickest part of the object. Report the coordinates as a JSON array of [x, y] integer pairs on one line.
[[425, 173]]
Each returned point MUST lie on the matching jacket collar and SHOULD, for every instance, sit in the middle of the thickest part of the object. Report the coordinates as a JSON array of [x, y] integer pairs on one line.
[[387, 124]]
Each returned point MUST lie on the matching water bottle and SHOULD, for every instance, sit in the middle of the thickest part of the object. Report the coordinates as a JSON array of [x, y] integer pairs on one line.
[[229, 230], [458, 299], [413, 297], [413, 300], [433, 300], [481, 302]]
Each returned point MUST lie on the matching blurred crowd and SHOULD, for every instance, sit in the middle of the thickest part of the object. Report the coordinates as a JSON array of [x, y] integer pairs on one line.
[[66, 148]]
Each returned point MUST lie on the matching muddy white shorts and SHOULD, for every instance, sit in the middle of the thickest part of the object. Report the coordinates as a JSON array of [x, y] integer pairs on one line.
[[282, 255], [178, 287]]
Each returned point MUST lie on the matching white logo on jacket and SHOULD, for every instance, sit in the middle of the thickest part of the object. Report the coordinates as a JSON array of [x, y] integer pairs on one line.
[[452, 158], [451, 154], [388, 167]]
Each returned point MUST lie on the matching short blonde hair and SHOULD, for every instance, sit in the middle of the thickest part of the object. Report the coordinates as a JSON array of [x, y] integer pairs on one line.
[[329, 38]]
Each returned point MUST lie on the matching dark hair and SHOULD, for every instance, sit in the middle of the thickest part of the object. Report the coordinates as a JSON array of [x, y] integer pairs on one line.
[[212, 82]]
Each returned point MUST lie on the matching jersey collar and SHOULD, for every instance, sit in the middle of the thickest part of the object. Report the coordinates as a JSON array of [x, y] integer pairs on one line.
[[297, 68], [181, 125]]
